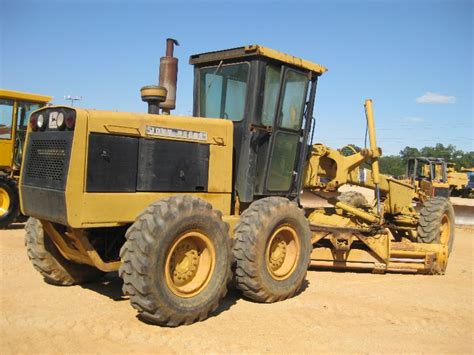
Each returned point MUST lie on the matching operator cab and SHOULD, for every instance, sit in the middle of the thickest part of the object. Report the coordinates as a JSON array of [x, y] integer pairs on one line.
[[429, 174], [269, 96], [430, 169], [15, 109]]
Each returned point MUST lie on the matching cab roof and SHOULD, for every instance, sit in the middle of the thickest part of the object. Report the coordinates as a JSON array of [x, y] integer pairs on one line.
[[25, 96], [256, 50]]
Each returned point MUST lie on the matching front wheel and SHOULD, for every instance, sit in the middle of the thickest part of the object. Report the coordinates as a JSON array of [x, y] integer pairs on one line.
[[176, 262], [272, 250], [9, 201], [436, 223]]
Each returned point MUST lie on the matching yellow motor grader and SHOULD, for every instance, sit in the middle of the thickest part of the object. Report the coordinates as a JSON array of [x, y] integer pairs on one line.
[[428, 176], [180, 204], [15, 108]]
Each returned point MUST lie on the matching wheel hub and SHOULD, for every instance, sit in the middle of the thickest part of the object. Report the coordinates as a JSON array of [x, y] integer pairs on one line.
[[277, 253], [4, 201], [190, 263], [184, 262], [282, 252]]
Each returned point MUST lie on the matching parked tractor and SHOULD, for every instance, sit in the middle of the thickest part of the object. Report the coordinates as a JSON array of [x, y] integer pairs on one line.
[[180, 205], [15, 108]]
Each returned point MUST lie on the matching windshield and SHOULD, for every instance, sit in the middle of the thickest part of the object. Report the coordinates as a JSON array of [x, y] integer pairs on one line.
[[223, 89]]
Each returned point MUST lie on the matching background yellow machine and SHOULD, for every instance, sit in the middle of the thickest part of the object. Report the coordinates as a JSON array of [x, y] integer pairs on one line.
[[173, 202], [429, 176], [15, 108], [458, 181], [470, 184], [436, 177]]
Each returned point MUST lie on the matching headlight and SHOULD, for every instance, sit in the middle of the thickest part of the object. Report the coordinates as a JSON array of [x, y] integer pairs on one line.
[[41, 122]]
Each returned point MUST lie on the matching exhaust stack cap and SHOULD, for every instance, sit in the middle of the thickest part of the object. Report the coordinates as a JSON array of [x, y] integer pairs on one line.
[[153, 95]]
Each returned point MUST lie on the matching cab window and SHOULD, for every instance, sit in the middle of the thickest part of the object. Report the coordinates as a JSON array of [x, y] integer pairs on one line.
[[294, 95], [24, 111], [270, 95], [6, 118], [223, 90], [283, 161]]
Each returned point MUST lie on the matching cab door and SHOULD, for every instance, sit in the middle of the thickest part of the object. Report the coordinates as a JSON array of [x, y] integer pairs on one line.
[[7, 132], [282, 113]]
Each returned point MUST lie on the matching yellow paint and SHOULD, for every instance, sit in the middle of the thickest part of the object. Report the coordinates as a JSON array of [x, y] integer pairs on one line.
[[24, 96], [82, 252], [456, 180], [253, 50], [4, 202], [109, 209], [373, 142], [286, 58], [7, 146]]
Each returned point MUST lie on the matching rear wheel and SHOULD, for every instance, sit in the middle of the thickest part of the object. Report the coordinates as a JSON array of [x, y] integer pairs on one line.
[[176, 263], [272, 247], [49, 262], [436, 223], [9, 201]]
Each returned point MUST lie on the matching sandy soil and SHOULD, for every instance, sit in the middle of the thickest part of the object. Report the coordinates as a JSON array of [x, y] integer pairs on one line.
[[337, 312]]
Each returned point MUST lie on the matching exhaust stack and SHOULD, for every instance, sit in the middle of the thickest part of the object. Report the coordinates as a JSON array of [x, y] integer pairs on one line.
[[163, 95], [169, 76]]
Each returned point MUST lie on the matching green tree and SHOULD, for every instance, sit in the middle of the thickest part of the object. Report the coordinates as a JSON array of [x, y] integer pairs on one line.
[[392, 165], [409, 152]]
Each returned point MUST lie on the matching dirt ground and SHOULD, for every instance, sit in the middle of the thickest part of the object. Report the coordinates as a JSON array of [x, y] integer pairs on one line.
[[336, 312]]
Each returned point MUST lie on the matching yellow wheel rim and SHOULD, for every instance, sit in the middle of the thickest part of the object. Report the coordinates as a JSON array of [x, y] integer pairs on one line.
[[4, 202], [190, 264], [445, 230], [282, 252]]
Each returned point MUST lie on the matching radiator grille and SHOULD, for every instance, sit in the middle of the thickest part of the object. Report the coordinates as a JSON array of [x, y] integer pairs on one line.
[[46, 160]]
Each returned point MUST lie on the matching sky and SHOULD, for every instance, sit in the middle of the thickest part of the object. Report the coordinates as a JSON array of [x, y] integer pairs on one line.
[[414, 59]]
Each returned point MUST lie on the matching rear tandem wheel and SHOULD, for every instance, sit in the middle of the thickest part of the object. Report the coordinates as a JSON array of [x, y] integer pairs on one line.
[[272, 247]]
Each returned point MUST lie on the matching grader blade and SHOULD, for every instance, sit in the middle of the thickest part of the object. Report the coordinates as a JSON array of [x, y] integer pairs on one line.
[[378, 254], [464, 214], [350, 248]]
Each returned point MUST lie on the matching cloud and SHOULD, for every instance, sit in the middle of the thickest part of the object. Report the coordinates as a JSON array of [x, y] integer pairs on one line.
[[413, 119], [434, 98]]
